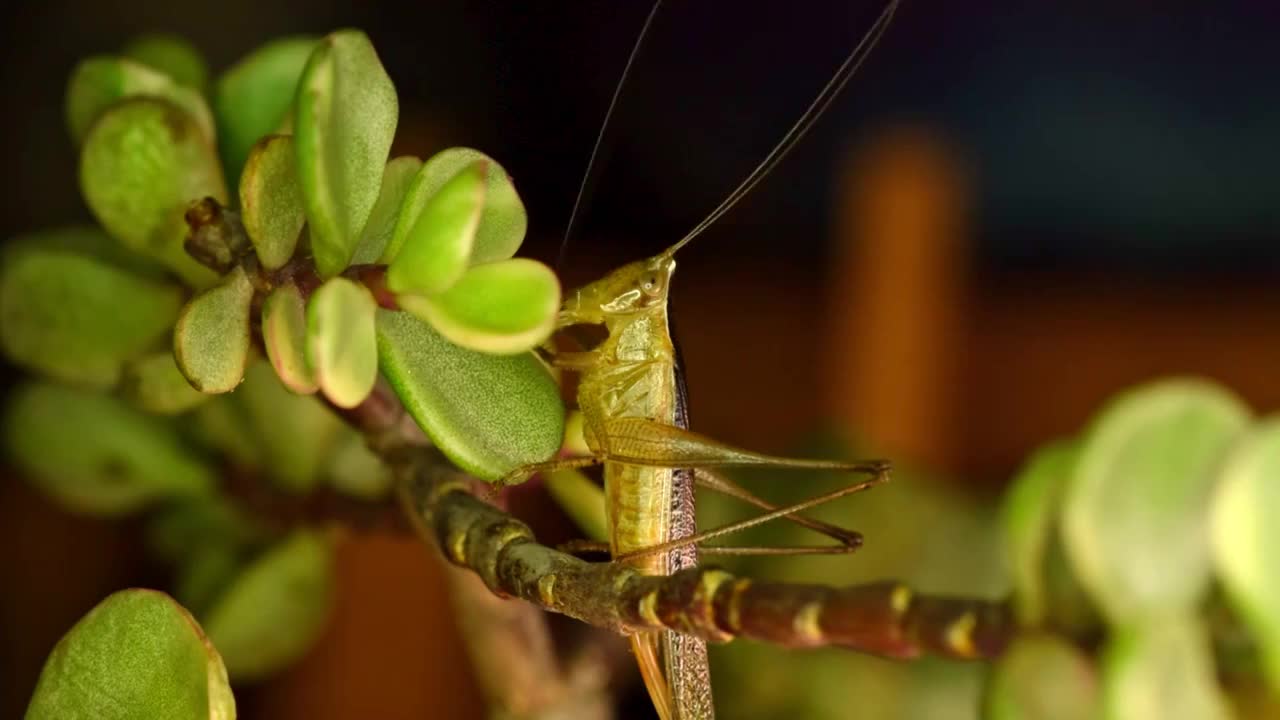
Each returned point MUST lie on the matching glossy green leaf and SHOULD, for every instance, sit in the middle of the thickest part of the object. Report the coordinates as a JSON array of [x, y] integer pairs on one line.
[[143, 162], [294, 434], [78, 318], [253, 98], [284, 333], [1029, 516], [137, 655], [341, 348], [101, 82], [95, 454], [211, 340], [376, 236], [355, 470], [1161, 669], [1246, 533], [155, 384], [437, 248], [582, 500], [271, 200], [171, 55], [1042, 677], [1136, 508], [275, 610], [503, 221], [344, 121], [504, 307], [488, 413]]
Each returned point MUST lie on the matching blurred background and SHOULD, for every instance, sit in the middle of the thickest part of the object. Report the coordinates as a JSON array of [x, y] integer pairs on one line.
[[1014, 210]]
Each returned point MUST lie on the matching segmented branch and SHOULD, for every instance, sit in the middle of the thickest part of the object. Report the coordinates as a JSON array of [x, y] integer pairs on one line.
[[886, 619]]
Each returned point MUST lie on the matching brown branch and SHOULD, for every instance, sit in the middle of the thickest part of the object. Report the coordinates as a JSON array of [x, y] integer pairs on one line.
[[885, 619]]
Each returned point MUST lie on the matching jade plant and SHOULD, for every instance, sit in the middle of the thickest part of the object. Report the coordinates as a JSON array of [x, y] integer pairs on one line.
[[271, 299]]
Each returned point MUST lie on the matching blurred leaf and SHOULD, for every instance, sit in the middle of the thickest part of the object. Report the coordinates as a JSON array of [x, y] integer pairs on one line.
[[205, 574], [284, 333], [144, 161], [295, 434], [271, 200], [582, 500], [505, 307], [218, 425], [99, 83], [488, 413], [274, 612], [137, 655], [355, 470], [375, 237], [78, 318], [1161, 669], [155, 384], [436, 250], [179, 529], [344, 122], [211, 340], [171, 55], [1029, 516], [1245, 533], [1135, 511], [342, 349], [95, 454], [89, 241], [1042, 677], [503, 221], [254, 96]]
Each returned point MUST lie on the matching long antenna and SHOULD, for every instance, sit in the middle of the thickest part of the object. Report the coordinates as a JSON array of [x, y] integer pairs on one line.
[[806, 122], [608, 115]]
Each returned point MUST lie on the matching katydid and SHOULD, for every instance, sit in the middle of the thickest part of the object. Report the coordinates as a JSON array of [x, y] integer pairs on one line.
[[632, 398]]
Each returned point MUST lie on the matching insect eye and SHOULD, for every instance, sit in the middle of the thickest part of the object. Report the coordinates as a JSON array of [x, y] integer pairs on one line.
[[650, 285]]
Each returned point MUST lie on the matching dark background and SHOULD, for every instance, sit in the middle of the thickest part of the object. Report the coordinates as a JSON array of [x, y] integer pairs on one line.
[[1117, 164]]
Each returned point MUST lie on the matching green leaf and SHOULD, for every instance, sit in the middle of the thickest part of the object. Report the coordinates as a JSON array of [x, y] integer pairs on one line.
[[284, 333], [78, 318], [96, 455], [488, 413], [503, 221], [155, 384], [271, 200], [1029, 516], [341, 347], [1135, 510], [87, 241], [375, 237], [99, 83], [294, 433], [1246, 533], [254, 96], [505, 307], [355, 470], [276, 609], [1042, 677], [218, 425], [211, 340], [1161, 669], [171, 55], [344, 121], [137, 655], [143, 163], [437, 249]]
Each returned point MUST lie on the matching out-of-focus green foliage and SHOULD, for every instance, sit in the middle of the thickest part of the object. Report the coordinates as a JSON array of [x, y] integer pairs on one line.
[[137, 655], [277, 606], [97, 455], [1042, 678], [101, 82]]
